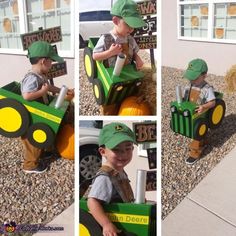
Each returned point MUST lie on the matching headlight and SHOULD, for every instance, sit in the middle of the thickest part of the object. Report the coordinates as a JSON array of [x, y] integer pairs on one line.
[[173, 109], [186, 113], [119, 88]]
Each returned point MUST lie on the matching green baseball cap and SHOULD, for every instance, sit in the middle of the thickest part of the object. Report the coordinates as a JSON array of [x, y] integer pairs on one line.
[[43, 49], [115, 133], [195, 68], [128, 11]]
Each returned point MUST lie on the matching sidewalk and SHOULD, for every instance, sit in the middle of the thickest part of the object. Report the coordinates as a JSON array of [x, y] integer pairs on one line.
[[210, 209], [65, 219]]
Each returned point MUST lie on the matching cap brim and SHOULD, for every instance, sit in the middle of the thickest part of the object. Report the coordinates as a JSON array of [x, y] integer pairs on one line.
[[112, 143], [56, 58], [134, 21], [191, 75]]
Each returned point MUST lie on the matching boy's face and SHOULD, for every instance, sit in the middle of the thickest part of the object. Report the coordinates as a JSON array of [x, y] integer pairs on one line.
[[119, 156], [199, 80], [46, 64], [121, 27]]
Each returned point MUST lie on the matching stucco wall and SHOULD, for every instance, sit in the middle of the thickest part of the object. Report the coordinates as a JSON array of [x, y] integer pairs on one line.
[[14, 67], [177, 53]]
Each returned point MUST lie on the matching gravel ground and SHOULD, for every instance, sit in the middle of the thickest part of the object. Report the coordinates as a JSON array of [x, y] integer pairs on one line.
[[88, 105], [178, 179], [32, 198]]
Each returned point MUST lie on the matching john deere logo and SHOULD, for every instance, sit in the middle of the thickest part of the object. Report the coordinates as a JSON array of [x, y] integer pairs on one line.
[[190, 66], [119, 128]]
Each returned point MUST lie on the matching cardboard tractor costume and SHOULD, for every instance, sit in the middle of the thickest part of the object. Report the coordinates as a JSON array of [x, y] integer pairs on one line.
[[187, 122], [39, 122], [108, 88]]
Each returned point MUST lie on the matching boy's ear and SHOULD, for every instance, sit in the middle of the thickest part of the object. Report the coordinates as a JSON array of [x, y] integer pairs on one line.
[[42, 60], [101, 150], [115, 20]]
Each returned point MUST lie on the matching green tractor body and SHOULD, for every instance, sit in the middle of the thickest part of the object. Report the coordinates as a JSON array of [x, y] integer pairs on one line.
[[133, 219], [187, 122], [19, 117], [110, 89]]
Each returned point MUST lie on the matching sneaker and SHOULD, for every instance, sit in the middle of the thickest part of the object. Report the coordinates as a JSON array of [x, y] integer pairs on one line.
[[48, 156], [39, 169], [190, 160]]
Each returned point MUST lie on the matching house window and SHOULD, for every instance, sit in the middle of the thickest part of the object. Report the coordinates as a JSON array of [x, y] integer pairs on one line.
[[9, 25], [19, 17], [225, 21], [211, 20], [193, 21]]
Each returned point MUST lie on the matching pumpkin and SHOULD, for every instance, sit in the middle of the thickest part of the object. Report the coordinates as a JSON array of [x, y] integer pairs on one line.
[[134, 106], [65, 142]]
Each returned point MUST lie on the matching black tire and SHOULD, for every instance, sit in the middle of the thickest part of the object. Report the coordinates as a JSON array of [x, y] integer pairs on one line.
[[41, 131], [90, 161], [216, 114], [87, 221], [98, 92], [15, 118], [89, 64], [200, 129]]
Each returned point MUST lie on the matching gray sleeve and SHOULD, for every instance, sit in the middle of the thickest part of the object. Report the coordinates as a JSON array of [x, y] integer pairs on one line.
[[101, 189], [29, 84], [100, 45], [210, 94]]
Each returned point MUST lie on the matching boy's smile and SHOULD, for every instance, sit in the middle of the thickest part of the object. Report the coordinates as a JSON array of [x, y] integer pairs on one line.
[[119, 156]]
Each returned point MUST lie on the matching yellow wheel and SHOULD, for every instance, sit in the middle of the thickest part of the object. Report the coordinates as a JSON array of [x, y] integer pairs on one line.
[[200, 129], [40, 135], [216, 114], [98, 91], [83, 230], [89, 64], [14, 118], [88, 225]]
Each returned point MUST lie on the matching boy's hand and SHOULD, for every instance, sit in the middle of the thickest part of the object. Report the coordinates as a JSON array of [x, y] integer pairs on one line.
[[138, 61], [115, 49], [45, 88], [71, 92], [110, 230], [139, 64], [200, 109]]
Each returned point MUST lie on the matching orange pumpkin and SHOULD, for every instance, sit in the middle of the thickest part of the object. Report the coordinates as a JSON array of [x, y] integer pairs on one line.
[[134, 106], [65, 142]]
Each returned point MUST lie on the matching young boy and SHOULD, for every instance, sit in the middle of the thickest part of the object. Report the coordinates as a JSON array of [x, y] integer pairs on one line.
[[34, 87], [111, 184], [125, 18], [201, 93]]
